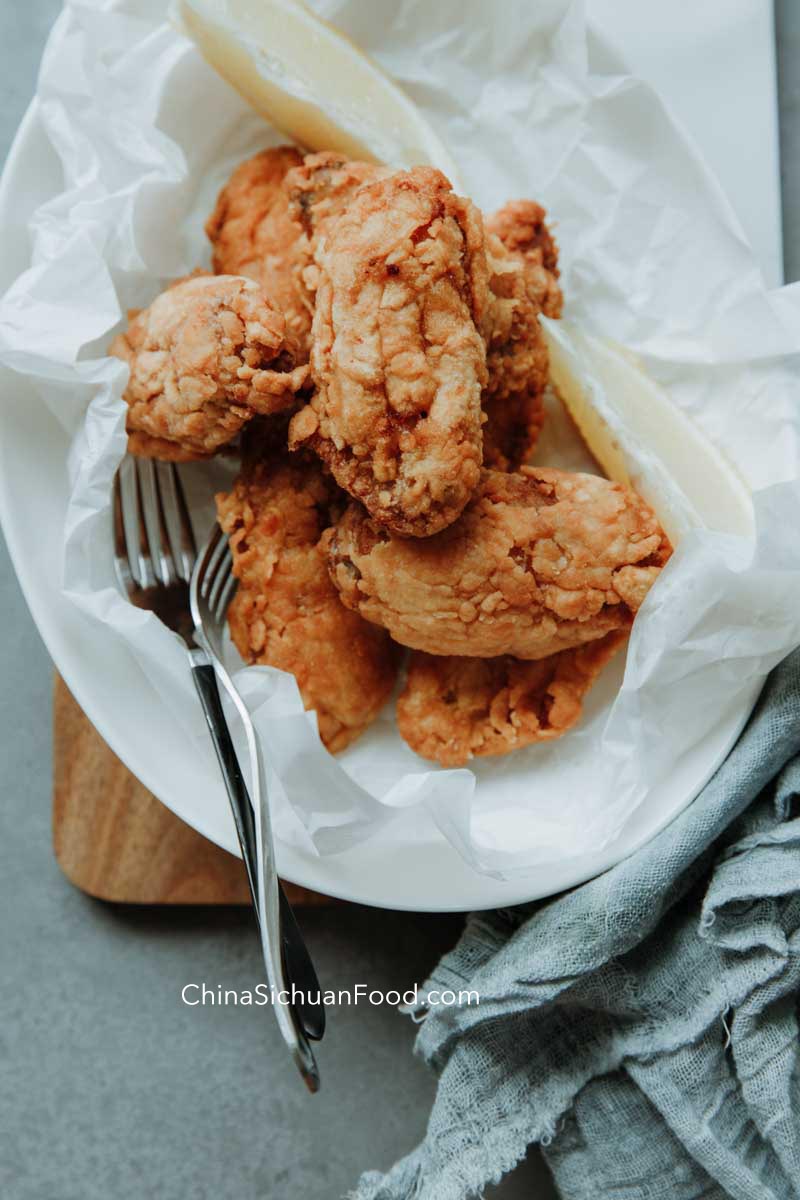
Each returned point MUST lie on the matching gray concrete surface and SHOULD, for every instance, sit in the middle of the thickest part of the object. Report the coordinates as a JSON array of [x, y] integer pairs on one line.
[[111, 1089], [787, 38]]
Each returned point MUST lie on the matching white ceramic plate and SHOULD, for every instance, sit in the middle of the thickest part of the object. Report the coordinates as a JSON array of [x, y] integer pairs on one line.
[[418, 869]]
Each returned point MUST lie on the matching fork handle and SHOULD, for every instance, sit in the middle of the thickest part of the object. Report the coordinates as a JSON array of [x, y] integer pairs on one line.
[[297, 962], [207, 689]]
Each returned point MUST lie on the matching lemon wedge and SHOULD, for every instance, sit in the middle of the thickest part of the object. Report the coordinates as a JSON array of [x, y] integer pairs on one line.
[[310, 82], [641, 439]]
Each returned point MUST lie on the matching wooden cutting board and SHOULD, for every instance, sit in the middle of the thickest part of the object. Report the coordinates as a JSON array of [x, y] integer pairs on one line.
[[114, 840]]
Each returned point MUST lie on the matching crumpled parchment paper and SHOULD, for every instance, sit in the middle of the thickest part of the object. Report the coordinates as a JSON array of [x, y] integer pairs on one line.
[[530, 105]]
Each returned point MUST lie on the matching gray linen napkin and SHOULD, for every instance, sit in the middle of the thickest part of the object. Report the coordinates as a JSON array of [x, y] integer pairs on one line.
[[643, 1029]]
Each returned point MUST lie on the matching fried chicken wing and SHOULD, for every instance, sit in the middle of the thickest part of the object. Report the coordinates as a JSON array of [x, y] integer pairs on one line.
[[252, 233], [206, 356], [523, 259], [398, 359], [286, 613], [539, 561], [453, 709]]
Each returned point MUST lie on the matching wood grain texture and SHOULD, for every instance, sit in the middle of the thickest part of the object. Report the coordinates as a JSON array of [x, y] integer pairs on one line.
[[113, 839]]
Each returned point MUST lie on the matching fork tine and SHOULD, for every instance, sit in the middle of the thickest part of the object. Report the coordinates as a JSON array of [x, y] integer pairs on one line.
[[226, 597], [176, 516], [212, 564], [138, 553], [122, 562], [155, 525], [221, 577]]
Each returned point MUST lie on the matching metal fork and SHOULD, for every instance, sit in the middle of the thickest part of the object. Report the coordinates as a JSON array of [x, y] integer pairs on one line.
[[212, 587], [158, 569]]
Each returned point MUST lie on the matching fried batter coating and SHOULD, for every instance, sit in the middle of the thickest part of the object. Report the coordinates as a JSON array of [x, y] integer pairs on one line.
[[539, 561], [286, 613], [453, 709], [206, 356], [319, 190], [517, 365], [323, 185], [267, 217], [521, 226], [398, 359], [252, 233], [523, 258], [523, 262]]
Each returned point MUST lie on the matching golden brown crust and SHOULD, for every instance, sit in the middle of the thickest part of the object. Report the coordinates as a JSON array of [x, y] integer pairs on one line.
[[453, 709], [286, 612], [276, 207], [318, 192], [398, 359], [523, 258], [322, 186], [539, 561], [252, 233], [517, 366], [206, 356], [522, 228]]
